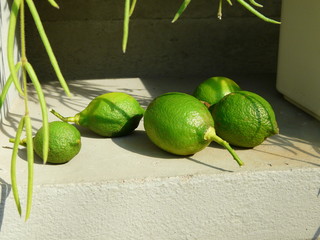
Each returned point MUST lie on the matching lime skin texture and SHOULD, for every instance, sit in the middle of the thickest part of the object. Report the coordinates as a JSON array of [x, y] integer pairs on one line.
[[111, 115], [64, 142], [180, 124], [244, 119], [213, 89], [177, 123]]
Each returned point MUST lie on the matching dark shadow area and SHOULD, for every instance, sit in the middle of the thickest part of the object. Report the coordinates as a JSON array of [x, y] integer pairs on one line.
[[316, 234], [89, 42], [5, 191], [207, 165], [138, 142]]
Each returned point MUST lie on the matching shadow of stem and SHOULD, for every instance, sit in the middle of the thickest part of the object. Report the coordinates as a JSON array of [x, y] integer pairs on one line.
[[5, 191]]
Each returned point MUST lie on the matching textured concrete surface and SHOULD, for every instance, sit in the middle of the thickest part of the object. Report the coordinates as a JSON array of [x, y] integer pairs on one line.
[[127, 188], [86, 38]]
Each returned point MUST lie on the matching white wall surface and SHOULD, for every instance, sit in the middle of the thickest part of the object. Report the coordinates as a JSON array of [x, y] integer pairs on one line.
[[4, 69], [264, 205]]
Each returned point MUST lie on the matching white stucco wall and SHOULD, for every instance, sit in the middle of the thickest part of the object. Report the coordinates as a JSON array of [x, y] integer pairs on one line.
[[4, 70], [264, 205]]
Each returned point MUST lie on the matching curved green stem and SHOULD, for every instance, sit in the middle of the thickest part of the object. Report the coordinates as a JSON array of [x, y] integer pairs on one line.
[[43, 106], [13, 165], [230, 3], [183, 7], [11, 40], [133, 5], [8, 84], [126, 25], [64, 119], [53, 3], [255, 12], [47, 45], [30, 157], [254, 3], [212, 136]]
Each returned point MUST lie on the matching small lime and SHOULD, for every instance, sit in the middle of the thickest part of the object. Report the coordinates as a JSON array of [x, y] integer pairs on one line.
[[64, 142], [244, 119], [215, 88]]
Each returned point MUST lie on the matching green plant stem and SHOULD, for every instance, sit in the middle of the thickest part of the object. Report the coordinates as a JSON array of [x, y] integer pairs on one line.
[[22, 142], [27, 120], [8, 84], [255, 12], [254, 3], [30, 157], [14, 185], [11, 40], [64, 119], [126, 25], [47, 45], [43, 105], [219, 15], [182, 8], [212, 136], [53, 3], [133, 5], [230, 3]]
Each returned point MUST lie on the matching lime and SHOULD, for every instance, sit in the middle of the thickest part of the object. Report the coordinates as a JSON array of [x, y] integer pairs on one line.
[[180, 124], [244, 119], [110, 115], [64, 142], [215, 88]]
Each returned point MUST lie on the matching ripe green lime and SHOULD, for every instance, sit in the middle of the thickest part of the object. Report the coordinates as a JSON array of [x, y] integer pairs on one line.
[[180, 124], [215, 88], [110, 115], [64, 142], [244, 119]]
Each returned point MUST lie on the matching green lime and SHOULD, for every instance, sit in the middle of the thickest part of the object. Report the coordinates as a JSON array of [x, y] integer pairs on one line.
[[110, 115], [244, 119], [180, 124], [64, 142], [215, 88]]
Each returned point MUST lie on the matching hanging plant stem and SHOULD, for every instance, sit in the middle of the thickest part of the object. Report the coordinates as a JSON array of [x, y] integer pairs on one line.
[[47, 46], [126, 25], [27, 69]]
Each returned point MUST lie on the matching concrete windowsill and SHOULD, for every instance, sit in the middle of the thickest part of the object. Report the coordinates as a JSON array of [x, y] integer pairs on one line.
[[135, 160]]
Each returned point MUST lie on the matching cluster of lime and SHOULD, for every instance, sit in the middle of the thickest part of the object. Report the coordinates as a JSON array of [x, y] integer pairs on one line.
[[181, 124], [110, 115], [242, 118], [176, 122]]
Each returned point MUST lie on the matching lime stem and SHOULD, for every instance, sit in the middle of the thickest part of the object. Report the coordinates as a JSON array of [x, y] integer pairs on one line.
[[22, 142], [65, 119], [211, 135]]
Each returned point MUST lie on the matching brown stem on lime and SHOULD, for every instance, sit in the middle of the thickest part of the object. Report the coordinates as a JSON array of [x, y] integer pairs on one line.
[[212, 136], [65, 119]]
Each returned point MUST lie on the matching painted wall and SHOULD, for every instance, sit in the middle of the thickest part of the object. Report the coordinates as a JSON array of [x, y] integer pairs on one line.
[[86, 38], [5, 7]]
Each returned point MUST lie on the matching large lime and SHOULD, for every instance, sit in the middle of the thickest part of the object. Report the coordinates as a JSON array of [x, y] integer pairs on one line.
[[244, 119], [180, 124]]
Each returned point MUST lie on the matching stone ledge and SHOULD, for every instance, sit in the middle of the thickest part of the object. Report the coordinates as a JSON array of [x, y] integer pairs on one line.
[[126, 188]]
